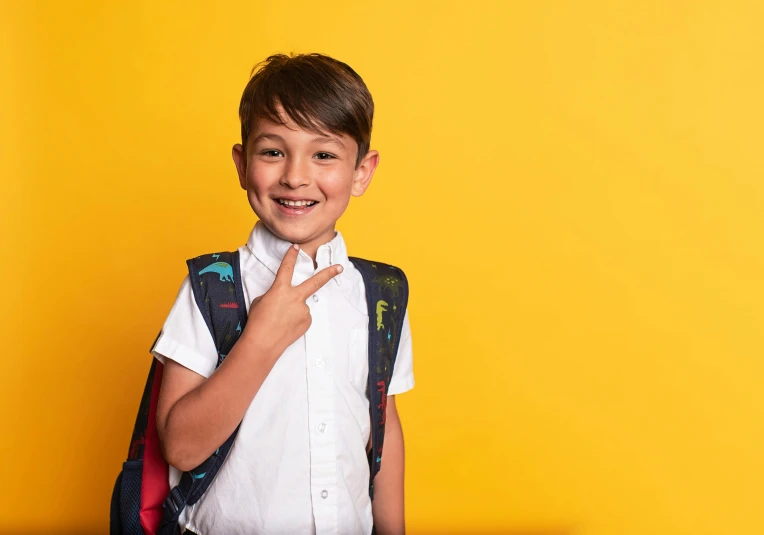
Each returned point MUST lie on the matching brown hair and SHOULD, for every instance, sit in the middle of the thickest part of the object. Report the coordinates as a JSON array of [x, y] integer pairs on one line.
[[317, 92]]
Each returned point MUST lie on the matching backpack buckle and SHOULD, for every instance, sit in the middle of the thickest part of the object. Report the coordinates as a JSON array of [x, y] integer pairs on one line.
[[174, 504]]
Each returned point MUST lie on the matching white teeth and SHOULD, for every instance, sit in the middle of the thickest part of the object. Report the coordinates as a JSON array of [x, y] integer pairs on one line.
[[296, 203]]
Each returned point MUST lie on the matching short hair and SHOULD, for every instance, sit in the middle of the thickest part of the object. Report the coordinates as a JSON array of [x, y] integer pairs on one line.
[[317, 92]]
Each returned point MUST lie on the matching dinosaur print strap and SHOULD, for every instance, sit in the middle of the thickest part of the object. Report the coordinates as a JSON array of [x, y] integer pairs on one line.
[[216, 283], [387, 295]]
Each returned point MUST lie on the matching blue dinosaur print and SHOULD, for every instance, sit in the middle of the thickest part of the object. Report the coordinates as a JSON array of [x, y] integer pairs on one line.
[[221, 268]]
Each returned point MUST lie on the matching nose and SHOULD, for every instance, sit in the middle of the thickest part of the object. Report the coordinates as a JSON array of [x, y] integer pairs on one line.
[[296, 174]]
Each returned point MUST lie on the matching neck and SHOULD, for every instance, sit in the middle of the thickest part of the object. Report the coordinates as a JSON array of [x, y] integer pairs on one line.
[[311, 250]]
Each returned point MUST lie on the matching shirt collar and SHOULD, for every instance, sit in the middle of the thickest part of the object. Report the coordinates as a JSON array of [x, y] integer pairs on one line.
[[270, 250]]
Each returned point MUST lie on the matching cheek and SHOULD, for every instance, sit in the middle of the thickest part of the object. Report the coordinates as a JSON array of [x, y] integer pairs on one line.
[[337, 193], [337, 186], [261, 179]]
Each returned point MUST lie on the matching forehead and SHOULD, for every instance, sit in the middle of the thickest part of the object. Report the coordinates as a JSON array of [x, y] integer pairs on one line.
[[289, 131]]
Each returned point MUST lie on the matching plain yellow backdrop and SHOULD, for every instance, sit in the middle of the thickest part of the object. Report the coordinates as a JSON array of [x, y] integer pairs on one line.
[[573, 188]]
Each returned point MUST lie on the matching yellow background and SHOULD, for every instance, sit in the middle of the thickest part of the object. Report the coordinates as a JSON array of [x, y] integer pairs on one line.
[[574, 189]]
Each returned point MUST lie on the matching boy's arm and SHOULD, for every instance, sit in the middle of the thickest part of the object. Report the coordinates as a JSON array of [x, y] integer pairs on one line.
[[195, 416], [387, 506]]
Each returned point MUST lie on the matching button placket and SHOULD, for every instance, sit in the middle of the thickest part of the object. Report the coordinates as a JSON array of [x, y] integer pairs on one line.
[[323, 455]]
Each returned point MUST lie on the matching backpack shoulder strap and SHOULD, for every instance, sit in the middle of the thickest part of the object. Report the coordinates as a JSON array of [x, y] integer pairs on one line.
[[387, 294], [216, 284]]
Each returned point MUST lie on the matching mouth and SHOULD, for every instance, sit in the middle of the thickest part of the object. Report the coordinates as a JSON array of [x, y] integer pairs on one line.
[[295, 207]]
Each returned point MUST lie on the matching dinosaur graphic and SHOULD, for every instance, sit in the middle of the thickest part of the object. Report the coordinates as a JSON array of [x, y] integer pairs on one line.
[[381, 307], [221, 268], [387, 282], [383, 402]]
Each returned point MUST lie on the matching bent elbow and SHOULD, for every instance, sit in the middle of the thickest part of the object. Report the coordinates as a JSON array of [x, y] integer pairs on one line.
[[176, 455]]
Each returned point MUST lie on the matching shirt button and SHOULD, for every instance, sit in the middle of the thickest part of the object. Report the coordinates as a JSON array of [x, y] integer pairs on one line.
[[322, 428], [320, 363], [315, 298], [324, 494]]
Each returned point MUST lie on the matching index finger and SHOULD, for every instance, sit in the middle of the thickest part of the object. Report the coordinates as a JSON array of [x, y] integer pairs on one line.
[[317, 281], [286, 269]]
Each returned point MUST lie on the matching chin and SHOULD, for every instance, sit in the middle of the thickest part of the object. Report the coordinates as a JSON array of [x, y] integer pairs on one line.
[[289, 233]]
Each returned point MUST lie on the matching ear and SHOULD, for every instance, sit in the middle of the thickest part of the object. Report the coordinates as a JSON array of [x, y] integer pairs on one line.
[[364, 173], [240, 160]]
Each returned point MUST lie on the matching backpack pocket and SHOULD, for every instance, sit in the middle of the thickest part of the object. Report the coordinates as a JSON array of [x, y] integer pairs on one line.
[[126, 500]]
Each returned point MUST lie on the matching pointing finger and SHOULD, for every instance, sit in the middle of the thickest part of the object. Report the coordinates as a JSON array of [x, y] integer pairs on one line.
[[286, 269], [317, 281]]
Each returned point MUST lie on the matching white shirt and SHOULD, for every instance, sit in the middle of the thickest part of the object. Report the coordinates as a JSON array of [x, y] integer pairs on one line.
[[298, 464]]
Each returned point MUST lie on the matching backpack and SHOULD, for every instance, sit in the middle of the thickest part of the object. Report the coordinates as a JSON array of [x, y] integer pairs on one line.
[[142, 502]]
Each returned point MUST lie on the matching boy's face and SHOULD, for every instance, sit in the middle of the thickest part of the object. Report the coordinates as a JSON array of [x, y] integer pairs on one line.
[[300, 182]]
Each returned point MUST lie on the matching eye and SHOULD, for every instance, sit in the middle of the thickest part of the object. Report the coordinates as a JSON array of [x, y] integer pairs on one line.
[[324, 156], [272, 153]]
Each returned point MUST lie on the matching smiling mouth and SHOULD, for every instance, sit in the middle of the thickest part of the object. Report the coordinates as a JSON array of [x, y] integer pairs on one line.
[[291, 208], [296, 204]]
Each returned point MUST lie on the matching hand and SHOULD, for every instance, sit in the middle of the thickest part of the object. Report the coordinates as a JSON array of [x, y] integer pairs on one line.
[[280, 316]]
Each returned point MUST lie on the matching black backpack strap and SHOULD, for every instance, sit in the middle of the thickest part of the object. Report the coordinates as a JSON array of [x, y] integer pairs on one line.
[[216, 283], [142, 419], [387, 294]]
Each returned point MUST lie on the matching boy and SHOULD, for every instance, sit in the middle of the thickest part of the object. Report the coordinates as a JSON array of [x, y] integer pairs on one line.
[[296, 378]]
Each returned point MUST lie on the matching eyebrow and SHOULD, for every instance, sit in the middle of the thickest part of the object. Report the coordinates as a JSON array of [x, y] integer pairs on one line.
[[317, 139], [328, 139]]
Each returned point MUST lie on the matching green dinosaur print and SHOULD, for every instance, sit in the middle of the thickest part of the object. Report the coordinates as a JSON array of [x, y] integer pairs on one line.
[[389, 282], [381, 307]]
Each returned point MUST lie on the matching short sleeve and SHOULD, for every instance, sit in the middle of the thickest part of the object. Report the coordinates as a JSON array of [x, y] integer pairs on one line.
[[403, 371], [185, 337]]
